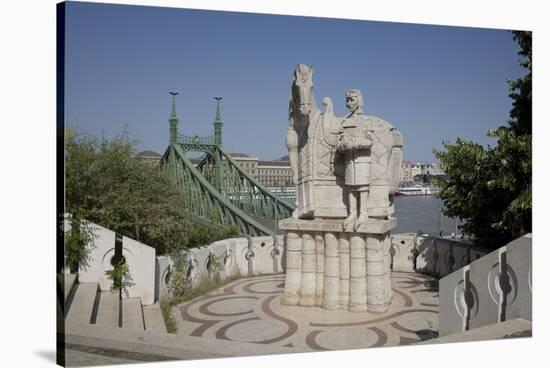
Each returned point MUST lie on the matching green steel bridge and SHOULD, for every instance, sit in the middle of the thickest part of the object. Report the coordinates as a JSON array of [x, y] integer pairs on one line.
[[219, 191]]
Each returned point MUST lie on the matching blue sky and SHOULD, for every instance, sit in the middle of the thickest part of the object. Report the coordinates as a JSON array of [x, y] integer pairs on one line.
[[433, 83]]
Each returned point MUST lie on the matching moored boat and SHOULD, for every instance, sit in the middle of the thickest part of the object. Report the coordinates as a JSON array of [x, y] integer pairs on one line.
[[416, 191]]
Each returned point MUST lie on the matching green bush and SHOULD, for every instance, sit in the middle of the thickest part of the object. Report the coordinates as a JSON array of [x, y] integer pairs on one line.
[[79, 242], [214, 266], [120, 275], [179, 283], [169, 322]]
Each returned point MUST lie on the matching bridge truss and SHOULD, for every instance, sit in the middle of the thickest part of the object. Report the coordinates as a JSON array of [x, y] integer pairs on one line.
[[218, 190]]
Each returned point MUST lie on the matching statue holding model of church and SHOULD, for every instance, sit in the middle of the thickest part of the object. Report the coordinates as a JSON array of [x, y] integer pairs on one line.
[[346, 171]]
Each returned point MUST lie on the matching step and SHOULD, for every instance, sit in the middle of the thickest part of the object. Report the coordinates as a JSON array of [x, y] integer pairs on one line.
[[83, 303], [69, 282], [518, 327], [108, 309], [132, 315], [172, 346], [154, 321]]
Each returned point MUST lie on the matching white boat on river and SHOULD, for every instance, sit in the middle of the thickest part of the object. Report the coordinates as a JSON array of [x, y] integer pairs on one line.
[[416, 191]]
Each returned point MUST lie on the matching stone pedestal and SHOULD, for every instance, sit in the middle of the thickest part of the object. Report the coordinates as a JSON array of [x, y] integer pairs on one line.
[[331, 268]]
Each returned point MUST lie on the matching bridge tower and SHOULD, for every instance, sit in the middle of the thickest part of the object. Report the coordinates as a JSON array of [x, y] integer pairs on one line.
[[173, 120], [218, 163], [218, 123]]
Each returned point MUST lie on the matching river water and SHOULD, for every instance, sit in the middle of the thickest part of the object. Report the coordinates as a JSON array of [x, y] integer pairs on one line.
[[421, 214], [414, 214]]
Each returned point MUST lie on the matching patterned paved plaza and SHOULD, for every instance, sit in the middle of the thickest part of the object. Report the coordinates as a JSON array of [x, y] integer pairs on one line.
[[249, 310]]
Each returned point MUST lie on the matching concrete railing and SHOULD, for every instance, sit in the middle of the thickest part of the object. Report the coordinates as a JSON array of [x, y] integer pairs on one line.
[[492, 289], [239, 256], [150, 274], [430, 255], [253, 256]]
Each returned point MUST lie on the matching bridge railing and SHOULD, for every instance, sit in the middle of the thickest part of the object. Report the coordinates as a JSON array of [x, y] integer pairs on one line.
[[184, 139]]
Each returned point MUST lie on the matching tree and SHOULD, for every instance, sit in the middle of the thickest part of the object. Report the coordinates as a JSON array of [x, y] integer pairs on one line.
[[491, 188], [107, 184], [78, 240]]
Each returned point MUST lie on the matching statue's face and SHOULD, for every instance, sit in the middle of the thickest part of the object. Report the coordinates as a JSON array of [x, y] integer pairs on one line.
[[352, 102]]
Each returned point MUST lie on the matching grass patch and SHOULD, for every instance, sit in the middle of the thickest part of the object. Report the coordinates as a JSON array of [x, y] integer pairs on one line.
[[166, 309], [203, 287]]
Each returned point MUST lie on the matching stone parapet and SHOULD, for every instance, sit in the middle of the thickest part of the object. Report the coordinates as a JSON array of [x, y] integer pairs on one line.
[[491, 289], [430, 255]]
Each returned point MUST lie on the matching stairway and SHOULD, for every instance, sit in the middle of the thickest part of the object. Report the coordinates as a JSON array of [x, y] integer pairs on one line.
[[132, 314], [82, 305], [87, 304], [154, 321]]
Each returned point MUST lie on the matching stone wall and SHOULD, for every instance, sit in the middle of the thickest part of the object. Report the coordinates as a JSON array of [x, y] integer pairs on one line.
[[431, 255], [492, 289], [253, 256], [238, 256], [100, 256], [139, 257], [150, 274], [267, 254], [162, 276], [403, 252]]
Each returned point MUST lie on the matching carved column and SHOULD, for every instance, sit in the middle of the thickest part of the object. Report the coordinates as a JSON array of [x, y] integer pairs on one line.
[[320, 279], [358, 274], [309, 271], [376, 288], [332, 272], [387, 269], [293, 273], [343, 251], [337, 269]]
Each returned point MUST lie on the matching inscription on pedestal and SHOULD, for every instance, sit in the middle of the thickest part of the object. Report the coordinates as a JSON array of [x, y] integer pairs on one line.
[[372, 226]]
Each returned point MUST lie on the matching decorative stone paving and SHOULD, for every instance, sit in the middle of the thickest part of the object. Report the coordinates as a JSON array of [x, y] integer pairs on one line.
[[250, 310]]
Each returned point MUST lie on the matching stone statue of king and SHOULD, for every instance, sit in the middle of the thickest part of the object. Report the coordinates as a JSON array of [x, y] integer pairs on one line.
[[355, 142]]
